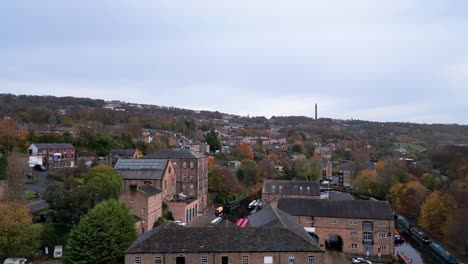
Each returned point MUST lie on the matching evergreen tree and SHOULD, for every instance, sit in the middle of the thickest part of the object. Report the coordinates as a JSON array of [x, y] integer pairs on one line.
[[102, 235]]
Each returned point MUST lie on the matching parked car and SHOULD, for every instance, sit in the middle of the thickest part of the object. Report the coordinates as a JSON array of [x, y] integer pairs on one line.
[[361, 261], [16, 261], [58, 252], [178, 222]]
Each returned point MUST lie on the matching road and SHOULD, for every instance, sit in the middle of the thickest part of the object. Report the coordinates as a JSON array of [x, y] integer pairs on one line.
[[38, 187]]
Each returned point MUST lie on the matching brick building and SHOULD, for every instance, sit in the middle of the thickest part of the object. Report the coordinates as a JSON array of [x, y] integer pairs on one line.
[[184, 211], [54, 154], [275, 189], [192, 172], [156, 172], [145, 204], [173, 244], [357, 226]]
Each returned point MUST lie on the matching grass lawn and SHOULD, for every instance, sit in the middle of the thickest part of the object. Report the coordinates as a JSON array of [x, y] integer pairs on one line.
[[29, 194]]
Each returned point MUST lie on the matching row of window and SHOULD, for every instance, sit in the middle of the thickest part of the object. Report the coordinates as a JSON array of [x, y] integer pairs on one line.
[[184, 164], [225, 260], [382, 247], [368, 235], [354, 222]]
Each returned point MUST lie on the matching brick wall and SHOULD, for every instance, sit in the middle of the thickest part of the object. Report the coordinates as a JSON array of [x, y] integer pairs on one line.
[[382, 233], [215, 258]]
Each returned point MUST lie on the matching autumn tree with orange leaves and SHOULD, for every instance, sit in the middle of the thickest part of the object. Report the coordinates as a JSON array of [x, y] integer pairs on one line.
[[246, 151]]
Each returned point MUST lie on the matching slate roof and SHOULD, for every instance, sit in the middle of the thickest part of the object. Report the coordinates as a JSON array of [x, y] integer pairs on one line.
[[171, 238], [148, 189], [341, 196], [53, 145], [311, 188], [364, 209], [174, 154], [141, 169], [122, 152], [274, 217]]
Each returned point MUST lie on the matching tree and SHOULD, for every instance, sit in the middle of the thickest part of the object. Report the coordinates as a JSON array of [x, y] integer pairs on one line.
[[104, 182], [102, 235], [430, 181], [18, 235], [223, 183], [408, 197], [213, 141], [247, 172], [435, 213], [266, 170], [246, 151], [366, 182]]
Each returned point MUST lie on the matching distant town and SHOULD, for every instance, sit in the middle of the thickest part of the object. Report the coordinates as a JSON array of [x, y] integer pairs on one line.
[[93, 181]]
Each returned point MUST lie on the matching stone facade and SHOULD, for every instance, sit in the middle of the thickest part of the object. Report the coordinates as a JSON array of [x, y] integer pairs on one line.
[[147, 207], [351, 231], [192, 173], [184, 211], [217, 257], [167, 183]]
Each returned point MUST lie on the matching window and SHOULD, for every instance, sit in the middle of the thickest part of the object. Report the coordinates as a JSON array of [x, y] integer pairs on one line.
[[184, 178], [191, 186], [382, 235], [157, 260], [367, 236], [191, 165], [165, 185], [383, 248], [184, 164], [174, 164], [367, 225], [353, 233], [137, 260], [268, 260], [143, 210], [353, 246], [170, 170], [184, 186], [180, 260], [353, 222], [224, 260], [291, 260], [333, 221], [148, 182], [382, 224], [191, 178], [204, 260], [245, 259], [310, 260]]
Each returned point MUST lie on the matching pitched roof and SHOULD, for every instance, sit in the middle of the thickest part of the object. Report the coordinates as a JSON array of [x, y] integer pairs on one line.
[[148, 189], [141, 169], [274, 217], [364, 209], [173, 153], [341, 196], [122, 152], [172, 238], [53, 145], [311, 188]]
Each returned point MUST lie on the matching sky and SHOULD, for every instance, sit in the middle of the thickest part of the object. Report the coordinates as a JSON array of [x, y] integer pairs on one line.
[[386, 60]]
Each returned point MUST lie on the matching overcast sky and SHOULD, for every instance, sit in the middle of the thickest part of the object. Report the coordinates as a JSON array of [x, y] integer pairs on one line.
[[372, 60]]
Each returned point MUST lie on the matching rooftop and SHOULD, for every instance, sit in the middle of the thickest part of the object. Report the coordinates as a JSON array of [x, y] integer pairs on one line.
[[363, 209], [148, 189], [311, 188], [172, 238], [180, 153], [141, 169], [53, 145]]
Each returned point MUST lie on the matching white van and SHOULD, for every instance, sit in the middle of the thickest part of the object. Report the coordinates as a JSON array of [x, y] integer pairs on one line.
[[58, 252], [16, 261]]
